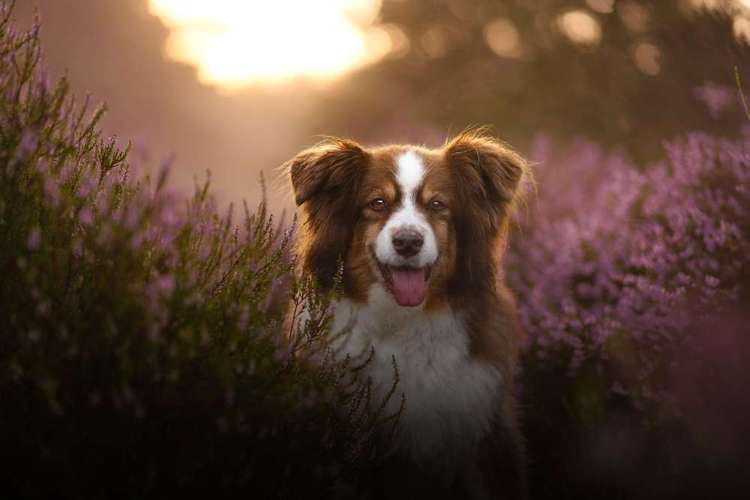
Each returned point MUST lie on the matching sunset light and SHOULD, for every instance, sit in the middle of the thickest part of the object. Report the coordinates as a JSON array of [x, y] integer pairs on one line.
[[234, 43], [375, 248]]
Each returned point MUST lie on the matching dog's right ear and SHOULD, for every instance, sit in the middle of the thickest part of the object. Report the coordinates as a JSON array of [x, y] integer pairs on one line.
[[325, 168], [326, 181]]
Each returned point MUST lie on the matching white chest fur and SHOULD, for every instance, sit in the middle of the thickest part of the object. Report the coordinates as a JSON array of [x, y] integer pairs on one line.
[[451, 398]]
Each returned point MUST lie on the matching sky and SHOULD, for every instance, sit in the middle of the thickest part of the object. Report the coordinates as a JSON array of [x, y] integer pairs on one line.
[[113, 49], [180, 81]]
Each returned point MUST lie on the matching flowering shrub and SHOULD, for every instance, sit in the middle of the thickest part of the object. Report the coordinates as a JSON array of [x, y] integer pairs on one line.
[[612, 263], [141, 347], [631, 284]]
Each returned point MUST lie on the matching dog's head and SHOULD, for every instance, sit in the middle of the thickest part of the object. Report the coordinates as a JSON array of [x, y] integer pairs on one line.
[[424, 224]]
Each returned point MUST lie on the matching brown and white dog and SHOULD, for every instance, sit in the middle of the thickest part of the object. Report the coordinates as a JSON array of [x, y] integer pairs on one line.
[[421, 233]]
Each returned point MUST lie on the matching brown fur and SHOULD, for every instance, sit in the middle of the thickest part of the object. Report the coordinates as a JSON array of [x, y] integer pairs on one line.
[[326, 181], [477, 180]]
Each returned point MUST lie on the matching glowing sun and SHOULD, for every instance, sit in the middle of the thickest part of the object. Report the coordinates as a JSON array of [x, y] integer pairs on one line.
[[234, 43]]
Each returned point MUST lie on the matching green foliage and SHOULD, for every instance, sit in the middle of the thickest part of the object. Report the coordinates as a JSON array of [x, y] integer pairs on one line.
[[142, 349], [546, 82]]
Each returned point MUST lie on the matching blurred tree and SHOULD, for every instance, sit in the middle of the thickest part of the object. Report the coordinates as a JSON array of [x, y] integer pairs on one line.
[[622, 72]]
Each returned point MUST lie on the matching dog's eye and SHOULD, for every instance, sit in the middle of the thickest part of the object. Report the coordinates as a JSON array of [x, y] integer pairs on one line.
[[378, 204], [437, 205]]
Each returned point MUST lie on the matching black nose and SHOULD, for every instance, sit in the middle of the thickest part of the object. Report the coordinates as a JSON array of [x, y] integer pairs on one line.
[[407, 242]]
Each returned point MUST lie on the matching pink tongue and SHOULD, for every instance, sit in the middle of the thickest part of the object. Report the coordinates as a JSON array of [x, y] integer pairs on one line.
[[409, 286]]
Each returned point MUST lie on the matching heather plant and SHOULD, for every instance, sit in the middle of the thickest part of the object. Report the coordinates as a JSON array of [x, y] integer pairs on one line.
[[614, 262], [633, 283], [141, 348]]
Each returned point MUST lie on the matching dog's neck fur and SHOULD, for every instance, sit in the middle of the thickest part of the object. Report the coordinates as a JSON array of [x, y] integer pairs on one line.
[[451, 397]]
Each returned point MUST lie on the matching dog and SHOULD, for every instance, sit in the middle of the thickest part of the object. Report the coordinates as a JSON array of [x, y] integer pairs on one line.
[[421, 233]]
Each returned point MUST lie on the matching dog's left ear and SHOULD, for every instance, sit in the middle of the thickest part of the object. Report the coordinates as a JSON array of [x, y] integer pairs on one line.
[[486, 169], [487, 175]]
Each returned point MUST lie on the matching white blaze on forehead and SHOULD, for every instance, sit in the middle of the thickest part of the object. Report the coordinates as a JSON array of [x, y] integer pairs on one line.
[[410, 173]]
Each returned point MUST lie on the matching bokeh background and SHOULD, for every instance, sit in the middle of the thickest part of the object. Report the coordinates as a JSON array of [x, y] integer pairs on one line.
[[136, 322], [239, 87]]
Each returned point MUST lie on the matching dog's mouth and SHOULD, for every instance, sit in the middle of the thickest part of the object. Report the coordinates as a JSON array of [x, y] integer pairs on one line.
[[407, 284]]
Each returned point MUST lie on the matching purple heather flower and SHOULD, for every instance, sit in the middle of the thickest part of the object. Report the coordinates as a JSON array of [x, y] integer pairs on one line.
[[28, 143], [86, 216], [712, 281], [52, 191], [607, 247], [131, 217], [165, 284], [716, 97], [86, 187], [34, 239]]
